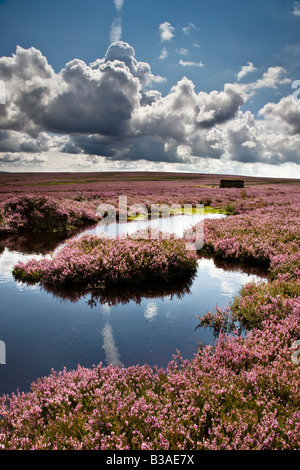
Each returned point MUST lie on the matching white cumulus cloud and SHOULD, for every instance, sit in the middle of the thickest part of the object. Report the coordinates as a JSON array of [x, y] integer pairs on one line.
[[249, 68], [273, 77], [166, 31], [108, 109]]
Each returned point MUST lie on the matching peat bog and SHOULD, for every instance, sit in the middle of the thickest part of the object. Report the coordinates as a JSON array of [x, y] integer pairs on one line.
[[232, 388]]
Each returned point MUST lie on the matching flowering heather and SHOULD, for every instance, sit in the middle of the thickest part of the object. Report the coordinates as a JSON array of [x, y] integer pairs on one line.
[[35, 213], [255, 303], [268, 235], [242, 393], [97, 262]]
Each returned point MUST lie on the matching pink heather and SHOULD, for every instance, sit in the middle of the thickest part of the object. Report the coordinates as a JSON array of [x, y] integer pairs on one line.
[[242, 393]]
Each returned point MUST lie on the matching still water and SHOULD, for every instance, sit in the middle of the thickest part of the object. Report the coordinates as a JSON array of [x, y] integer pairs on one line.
[[45, 330]]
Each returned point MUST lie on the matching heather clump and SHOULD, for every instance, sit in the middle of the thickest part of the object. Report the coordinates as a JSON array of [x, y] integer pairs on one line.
[[40, 213], [255, 303], [98, 262], [270, 236], [259, 301]]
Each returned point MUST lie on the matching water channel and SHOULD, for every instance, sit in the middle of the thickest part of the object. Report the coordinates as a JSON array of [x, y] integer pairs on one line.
[[46, 330]]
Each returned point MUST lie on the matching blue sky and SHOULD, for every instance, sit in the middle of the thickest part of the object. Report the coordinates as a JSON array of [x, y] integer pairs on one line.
[[192, 50]]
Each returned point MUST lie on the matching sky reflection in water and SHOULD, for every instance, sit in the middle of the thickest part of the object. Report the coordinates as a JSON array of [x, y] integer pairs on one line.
[[44, 330]]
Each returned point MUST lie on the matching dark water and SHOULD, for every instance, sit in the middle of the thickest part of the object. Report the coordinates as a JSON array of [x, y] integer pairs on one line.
[[44, 330]]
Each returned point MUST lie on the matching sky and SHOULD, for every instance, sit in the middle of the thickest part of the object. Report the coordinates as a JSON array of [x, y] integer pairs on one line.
[[169, 85]]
